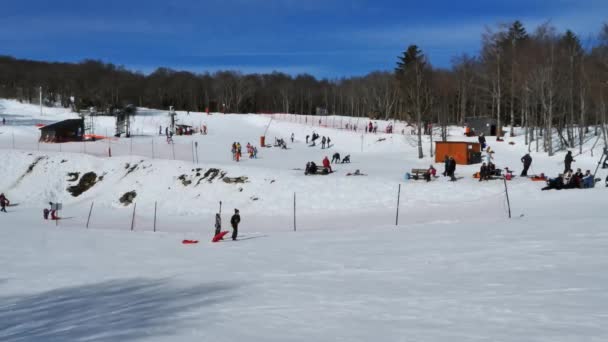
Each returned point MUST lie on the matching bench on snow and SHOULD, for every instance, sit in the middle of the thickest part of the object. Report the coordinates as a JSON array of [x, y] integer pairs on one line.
[[418, 174]]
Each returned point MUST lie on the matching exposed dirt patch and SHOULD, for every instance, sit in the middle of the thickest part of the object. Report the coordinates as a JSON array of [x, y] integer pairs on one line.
[[235, 180], [73, 176], [87, 181], [128, 197]]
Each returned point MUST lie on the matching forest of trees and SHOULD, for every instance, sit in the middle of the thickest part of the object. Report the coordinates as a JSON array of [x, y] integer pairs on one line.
[[539, 80]]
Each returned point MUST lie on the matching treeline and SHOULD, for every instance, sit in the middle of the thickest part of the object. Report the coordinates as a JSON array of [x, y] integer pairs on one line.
[[540, 80], [107, 86]]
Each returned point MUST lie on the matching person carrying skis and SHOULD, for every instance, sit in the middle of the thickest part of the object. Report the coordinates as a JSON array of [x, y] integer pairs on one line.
[[234, 221], [326, 164], [568, 161], [527, 160], [3, 202]]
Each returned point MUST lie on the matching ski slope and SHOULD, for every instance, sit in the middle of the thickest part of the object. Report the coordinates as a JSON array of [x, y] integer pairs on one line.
[[454, 268]]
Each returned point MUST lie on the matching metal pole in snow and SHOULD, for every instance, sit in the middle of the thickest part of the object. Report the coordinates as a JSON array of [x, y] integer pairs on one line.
[[90, 211], [155, 216], [507, 194], [398, 198], [133, 217]]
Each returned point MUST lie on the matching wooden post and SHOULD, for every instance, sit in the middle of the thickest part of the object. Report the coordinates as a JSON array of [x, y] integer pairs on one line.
[[507, 193], [294, 211], [90, 211], [155, 216], [133, 218], [398, 198]]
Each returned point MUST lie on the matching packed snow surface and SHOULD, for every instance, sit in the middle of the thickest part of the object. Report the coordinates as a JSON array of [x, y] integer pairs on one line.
[[455, 268]]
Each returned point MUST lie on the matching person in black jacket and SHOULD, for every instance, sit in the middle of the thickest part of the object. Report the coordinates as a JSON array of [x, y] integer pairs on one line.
[[452, 168], [234, 221], [482, 141], [527, 160], [483, 172], [568, 161], [446, 165]]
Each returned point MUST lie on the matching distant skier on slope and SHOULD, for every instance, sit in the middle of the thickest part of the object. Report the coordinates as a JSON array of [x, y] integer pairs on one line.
[[234, 221], [3, 202]]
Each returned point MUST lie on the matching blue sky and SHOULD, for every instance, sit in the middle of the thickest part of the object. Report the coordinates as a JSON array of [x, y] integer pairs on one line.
[[326, 38]]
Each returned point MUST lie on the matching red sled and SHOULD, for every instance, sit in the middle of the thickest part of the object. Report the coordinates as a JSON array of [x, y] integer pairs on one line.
[[189, 242], [219, 236]]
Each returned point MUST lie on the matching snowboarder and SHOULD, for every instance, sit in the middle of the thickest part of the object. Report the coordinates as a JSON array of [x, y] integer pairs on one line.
[[335, 158], [568, 161], [527, 160], [323, 141], [326, 164], [482, 141], [234, 221], [3, 202], [218, 223], [292, 137]]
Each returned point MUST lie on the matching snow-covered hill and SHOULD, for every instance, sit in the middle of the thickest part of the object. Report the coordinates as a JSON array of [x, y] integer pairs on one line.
[[455, 268]]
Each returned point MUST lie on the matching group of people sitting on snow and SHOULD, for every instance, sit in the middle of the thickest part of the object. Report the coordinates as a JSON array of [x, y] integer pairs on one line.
[[312, 168], [571, 180]]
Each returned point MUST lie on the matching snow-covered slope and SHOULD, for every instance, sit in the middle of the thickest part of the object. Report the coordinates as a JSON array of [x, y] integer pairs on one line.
[[455, 268]]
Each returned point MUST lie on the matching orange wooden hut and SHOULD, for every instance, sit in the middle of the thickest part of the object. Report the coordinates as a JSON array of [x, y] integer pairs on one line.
[[464, 152]]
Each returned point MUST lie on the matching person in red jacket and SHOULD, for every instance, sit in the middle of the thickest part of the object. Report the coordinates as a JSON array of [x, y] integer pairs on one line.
[[326, 164]]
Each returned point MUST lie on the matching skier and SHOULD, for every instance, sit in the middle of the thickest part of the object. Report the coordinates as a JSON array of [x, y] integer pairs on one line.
[[160, 130], [527, 160], [3, 202], [233, 150], [568, 161], [234, 221], [292, 137], [326, 164], [3, 121], [307, 136], [482, 141], [323, 141], [335, 158], [328, 141], [255, 152], [238, 151]]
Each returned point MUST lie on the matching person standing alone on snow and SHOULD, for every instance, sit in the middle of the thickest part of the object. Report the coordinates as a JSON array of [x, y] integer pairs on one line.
[[527, 160], [3, 202], [292, 137], [234, 221], [568, 161], [323, 142]]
